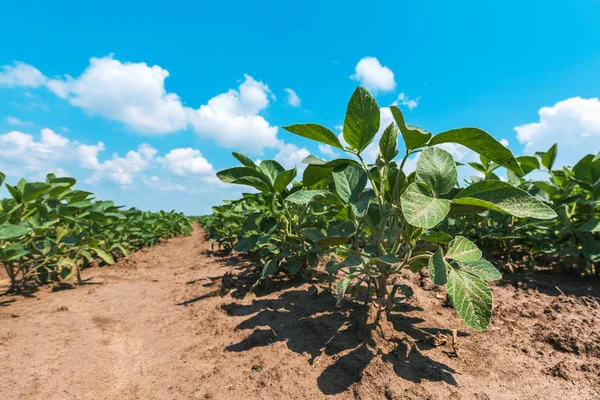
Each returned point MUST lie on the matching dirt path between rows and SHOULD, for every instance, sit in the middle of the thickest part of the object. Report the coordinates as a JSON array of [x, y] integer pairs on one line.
[[176, 322]]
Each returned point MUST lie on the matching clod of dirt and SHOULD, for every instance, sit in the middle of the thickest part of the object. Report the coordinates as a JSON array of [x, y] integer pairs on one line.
[[560, 370]]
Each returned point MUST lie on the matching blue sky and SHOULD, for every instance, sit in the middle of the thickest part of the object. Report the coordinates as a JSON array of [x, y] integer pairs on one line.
[[171, 88]]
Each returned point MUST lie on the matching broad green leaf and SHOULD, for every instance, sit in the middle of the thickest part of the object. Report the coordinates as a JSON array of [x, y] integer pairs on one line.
[[271, 169], [587, 170], [388, 143], [462, 249], [305, 196], [33, 190], [421, 209], [437, 169], [314, 174], [482, 143], [437, 268], [270, 267], [245, 176], [105, 256], [414, 137], [246, 244], [15, 193], [471, 297], [528, 164], [315, 132], [2, 178], [362, 120], [284, 179], [360, 207], [338, 234], [593, 225], [313, 234], [245, 160], [483, 269], [8, 231], [437, 237], [503, 197], [549, 157], [350, 180]]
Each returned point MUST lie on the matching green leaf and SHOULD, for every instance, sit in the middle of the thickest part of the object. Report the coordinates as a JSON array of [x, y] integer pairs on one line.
[[587, 170], [284, 179], [271, 169], [314, 174], [437, 268], [388, 143], [591, 247], [420, 208], [315, 132], [483, 269], [503, 197], [462, 249], [33, 190], [528, 164], [350, 180], [481, 142], [360, 207], [246, 244], [342, 286], [414, 137], [245, 176], [15, 193], [437, 237], [246, 161], [593, 225], [362, 119], [471, 297], [305, 196], [9, 231], [270, 267], [437, 169], [105, 256], [2, 178], [549, 157]]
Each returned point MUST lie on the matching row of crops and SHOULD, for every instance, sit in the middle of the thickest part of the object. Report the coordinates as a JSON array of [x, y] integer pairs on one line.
[[371, 221], [49, 231]]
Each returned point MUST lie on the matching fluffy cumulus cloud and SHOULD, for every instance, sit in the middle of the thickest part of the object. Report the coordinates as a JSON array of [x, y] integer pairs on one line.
[[186, 161], [374, 76], [22, 153], [21, 74], [291, 155], [573, 123], [135, 95], [327, 150], [292, 98], [232, 119]]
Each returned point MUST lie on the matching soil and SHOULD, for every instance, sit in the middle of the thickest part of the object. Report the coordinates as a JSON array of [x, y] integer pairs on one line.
[[179, 322]]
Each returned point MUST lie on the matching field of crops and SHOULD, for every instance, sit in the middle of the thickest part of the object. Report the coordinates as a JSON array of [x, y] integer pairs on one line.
[[354, 280]]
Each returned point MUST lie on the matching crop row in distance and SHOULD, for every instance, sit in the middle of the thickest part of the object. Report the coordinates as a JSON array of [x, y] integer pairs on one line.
[[49, 231]]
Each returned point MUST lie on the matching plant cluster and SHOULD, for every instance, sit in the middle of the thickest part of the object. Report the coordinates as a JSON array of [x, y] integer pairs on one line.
[[49, 231], [373, 219]]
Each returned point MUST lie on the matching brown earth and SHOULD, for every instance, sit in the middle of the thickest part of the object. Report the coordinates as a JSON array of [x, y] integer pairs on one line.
[[177, 322]]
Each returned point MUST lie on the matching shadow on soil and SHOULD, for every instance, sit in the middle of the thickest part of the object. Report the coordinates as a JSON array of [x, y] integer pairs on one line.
[[309, 323]]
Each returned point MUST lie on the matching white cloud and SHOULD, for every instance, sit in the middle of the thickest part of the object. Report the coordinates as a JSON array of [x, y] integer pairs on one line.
[[21, 74], [21, 153], [327, 150], [17, 122], [132, 93], [135, 95], [291, 156], [158, 183], [231, 119], [373, 76], [292, 98], [406, 101], [186, 161], [504, 142], [572, 123], [121, 170]]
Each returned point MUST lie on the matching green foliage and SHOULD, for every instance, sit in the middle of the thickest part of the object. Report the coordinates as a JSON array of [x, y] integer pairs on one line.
[[374, 217], [49, 230]]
